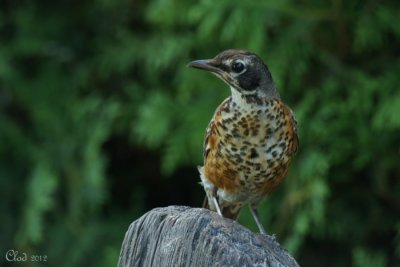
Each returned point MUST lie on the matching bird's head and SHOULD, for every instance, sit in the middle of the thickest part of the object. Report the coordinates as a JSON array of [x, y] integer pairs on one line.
[[243, 71]]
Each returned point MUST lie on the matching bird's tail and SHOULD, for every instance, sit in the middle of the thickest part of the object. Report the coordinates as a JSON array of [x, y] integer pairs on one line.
[[228, 211]]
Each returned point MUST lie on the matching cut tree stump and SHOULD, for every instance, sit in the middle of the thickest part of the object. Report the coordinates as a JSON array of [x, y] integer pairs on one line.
[[184, 236]]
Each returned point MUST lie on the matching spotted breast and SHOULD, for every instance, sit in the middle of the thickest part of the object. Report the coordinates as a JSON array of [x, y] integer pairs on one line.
[[248, 151]]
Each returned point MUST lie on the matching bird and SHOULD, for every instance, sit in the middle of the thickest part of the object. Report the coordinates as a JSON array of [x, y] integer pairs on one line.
[[251, 138]]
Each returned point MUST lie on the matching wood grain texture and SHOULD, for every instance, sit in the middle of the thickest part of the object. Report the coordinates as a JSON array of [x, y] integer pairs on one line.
[[184, 236]]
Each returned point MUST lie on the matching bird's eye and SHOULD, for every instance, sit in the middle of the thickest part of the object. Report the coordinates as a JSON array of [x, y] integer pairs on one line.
[[238, 66]]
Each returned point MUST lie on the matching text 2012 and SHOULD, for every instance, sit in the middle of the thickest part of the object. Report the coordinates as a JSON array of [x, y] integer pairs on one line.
[[14, 255]]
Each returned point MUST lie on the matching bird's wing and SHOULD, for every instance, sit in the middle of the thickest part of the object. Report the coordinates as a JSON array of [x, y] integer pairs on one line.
[[293, 128]]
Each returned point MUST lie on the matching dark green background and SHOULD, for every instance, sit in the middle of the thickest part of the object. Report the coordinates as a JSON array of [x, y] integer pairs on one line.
[[101, 121]]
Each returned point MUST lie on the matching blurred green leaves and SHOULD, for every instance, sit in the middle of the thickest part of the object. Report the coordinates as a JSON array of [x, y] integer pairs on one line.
[[386, 117], [365, 258], [40, 192]]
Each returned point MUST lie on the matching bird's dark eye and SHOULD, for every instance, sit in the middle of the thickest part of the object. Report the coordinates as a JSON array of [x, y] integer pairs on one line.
[[238, 67]]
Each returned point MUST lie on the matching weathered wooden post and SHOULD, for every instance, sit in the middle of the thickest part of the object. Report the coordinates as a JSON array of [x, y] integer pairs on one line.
[[184, 236]]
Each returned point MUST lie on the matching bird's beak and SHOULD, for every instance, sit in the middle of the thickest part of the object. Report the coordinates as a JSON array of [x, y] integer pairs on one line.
[[207, 64]]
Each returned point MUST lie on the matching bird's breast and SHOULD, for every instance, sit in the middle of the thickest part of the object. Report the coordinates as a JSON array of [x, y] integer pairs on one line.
[[251, 149]]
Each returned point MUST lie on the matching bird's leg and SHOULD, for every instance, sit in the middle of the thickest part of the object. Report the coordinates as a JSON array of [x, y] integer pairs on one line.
[[214, 199], [254, 212]]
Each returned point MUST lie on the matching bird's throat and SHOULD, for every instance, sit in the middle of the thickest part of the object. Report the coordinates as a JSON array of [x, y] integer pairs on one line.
[[248, 99]]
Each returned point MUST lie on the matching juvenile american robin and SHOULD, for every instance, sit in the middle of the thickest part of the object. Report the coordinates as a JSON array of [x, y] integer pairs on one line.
[[251, 138]]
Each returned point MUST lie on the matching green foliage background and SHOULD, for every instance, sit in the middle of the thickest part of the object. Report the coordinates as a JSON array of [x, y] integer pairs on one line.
[[100, 121]]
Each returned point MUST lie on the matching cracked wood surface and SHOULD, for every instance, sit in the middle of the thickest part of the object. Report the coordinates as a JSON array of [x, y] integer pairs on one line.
[[184, 236]]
